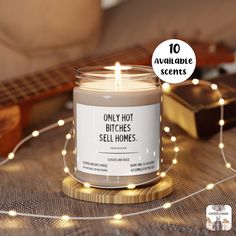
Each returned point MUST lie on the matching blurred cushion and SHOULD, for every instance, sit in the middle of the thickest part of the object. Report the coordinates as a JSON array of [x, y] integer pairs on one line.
[[136, 21], [38, 34]]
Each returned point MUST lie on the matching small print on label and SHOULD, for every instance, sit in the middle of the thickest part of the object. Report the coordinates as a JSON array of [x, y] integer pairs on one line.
[[173, 61]]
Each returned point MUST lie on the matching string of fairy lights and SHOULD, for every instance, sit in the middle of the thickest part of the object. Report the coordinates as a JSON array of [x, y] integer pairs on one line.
[[129, 186], [166, 88]]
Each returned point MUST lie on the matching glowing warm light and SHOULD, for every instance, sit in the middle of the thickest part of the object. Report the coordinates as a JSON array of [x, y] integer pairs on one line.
[[61, 122], [166, 87], [12, 213], [221, 145], [221, 122], [214, 86], [11, 155], [221, 101], [65, 217], [167, 205], [122, 67], [117, 216], [117, 75], [63, 152], [228, 165], [174, 161], [35, 133], [176, 149], [117, 71], [166, 129], [173, 138], [195, 81], [131, 186], [210, 186], [163, 174], [87, 185]]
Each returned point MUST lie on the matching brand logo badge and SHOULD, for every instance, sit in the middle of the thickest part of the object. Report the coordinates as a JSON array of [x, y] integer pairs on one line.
[[219, 217]]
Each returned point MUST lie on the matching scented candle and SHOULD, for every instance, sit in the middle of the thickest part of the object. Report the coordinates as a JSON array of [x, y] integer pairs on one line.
[[117, 114]]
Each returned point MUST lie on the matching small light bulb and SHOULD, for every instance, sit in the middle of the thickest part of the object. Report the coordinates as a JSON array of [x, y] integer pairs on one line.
[[210, 186], [65, 217], [166, 87], [163, 174], [173, 138], [221, 145], [68, 136], [12, 213], [61, 122], [11, 155], [174, 161], [167, 205], [221, 122], [176, 149], [131, 186], [195, 81], [35, 133], [87, 185], [214, 86], [63, 152], [117, 216], [166, 129], [221, 101], [158, 173], [66, 170], [228, 165]]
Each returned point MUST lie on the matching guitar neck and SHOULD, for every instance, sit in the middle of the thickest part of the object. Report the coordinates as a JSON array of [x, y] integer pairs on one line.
[[40, 85], [61, 79]]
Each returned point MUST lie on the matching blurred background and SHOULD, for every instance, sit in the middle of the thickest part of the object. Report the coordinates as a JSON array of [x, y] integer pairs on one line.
[[35, 35]]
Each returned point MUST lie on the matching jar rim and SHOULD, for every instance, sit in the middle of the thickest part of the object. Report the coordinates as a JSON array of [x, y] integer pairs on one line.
[[108, 72]]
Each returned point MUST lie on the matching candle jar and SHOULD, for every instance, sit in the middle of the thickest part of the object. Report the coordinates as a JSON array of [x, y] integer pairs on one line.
[[117, 117]]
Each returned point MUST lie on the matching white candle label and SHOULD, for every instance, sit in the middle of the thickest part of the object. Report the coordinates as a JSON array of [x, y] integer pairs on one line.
[[118, 141]]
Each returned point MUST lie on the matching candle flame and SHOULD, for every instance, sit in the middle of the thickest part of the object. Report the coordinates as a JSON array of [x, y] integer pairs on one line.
[[117, 75], [117, 71]]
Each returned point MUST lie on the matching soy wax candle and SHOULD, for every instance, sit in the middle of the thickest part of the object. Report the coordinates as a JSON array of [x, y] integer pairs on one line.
[[117, 113]]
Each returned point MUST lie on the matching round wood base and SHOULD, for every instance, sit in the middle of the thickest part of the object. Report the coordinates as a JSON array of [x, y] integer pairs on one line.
[[76, 190]]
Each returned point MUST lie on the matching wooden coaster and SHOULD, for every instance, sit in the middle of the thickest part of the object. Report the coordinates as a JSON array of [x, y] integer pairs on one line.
[[76, 190]]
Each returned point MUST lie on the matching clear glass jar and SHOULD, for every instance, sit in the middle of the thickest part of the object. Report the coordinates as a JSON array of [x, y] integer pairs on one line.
[[117, 114]]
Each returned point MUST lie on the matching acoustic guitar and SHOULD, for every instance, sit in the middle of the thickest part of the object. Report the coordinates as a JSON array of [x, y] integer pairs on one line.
[[18, 95]]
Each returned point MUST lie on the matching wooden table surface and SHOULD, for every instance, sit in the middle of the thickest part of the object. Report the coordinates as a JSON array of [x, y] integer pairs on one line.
[[32, 183]]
